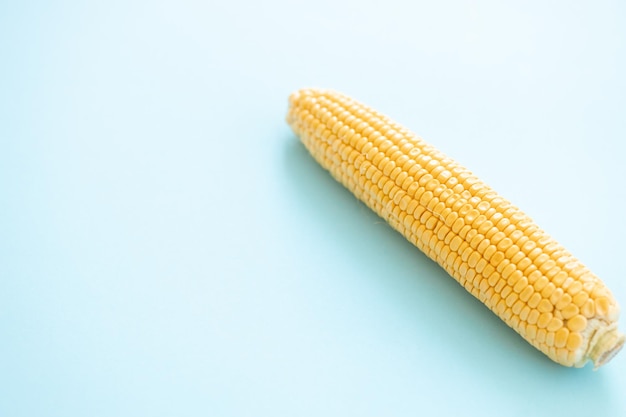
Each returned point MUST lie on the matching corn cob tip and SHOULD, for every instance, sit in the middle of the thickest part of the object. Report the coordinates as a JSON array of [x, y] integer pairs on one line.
[[606, 346]]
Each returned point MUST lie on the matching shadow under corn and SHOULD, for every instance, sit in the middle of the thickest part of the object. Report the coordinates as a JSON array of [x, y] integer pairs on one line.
[[450, 325]]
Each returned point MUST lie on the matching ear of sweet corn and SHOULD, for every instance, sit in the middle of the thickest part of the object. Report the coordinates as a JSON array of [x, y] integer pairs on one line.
[[488, 245]]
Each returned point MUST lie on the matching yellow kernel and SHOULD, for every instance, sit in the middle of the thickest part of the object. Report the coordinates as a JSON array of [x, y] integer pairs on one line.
[[455, 243], [508, 270], [489, 252], [517, 307], [496, 258], [565, 300], [562, 355], [523, 314], [556, 296], [526, 293], [534, 300], [533, 316], [541, 335], [511, 299], [602, 306], [577, 323], [580, 298], [555, 324], [524, 263], [544, 319], [575, 288], [574, 340], [548, 290], [588, 309], [473, 259], [541, 282], [560, 337], [569, 311], [545, 306]]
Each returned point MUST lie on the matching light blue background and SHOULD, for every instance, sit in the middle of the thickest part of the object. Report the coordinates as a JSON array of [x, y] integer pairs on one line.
[[168, 248]]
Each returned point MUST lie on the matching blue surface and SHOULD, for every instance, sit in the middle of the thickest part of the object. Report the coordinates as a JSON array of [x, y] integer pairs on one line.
[[168, 248]]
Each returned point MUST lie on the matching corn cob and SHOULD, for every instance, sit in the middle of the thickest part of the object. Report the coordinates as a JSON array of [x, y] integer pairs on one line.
[[487, 244]]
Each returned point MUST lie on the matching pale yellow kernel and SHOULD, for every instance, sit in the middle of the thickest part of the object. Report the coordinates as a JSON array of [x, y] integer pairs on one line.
[[499, 283], [442, 232], [493, 297], [501, 307], [404, 202], [529, 246], [570, 311], [473, 259], [562, 355], [514, 254], [533, 316], [455, 243], [489, 252], [599, 291], [465, 251], [541, 335], [489, 269], [517, 307], [451, 218], [545, 306], [471, 276], [534, 277], [531, 331], [548, 290], [485, 227], [526, 293], [549, 265], [574, 340], [465, 230], [493, 280], [516, 279], [508, 272], [523, 264], [550, 338], [484, 285], [534, 300], [506, 291], [603, 305], [544, 319], [511, 298], [438, 209], [483, 246], [457, 225], [504, 244], [577, 323], [555, 324], [543, 257], [560, 336], [481, 265], [565, 300], [431, 222], [496, 258], [497, 238], [588, 309], [534, 253], [556, 296], [580, 299], [523, 314], [575, 288], [540, 283]]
